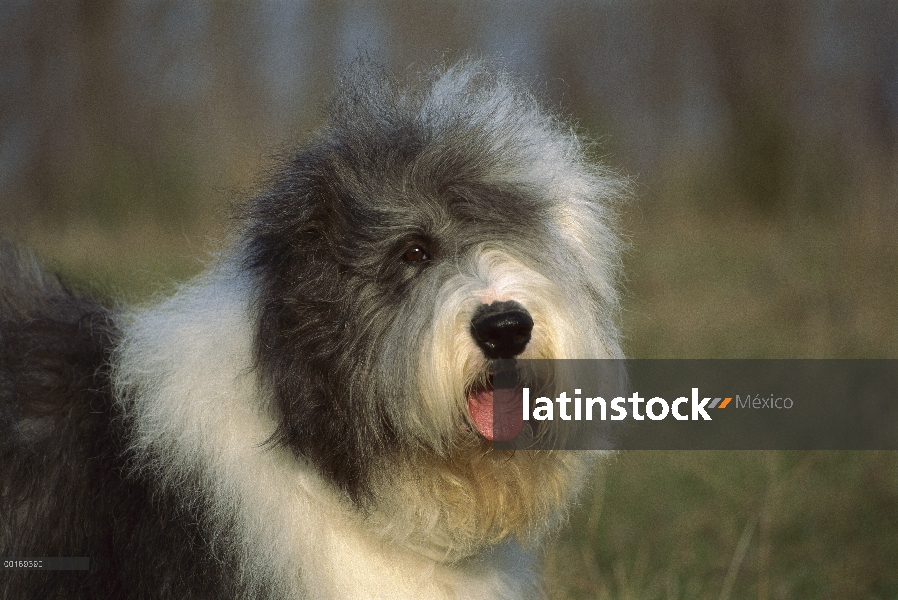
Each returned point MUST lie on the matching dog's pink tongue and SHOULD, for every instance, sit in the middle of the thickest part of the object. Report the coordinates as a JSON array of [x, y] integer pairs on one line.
[[498, 417]]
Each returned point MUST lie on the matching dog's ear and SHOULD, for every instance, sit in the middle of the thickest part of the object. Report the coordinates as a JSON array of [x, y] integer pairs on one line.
[[289, 218], [290, 250]]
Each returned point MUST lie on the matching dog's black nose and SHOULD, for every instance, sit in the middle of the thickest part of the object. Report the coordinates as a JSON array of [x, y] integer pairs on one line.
[[501, 329]]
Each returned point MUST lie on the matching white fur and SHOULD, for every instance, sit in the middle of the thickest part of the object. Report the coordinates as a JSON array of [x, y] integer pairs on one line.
[[452, 360]]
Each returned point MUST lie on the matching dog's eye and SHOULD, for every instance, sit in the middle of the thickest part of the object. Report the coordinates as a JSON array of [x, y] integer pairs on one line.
[[416, 254]]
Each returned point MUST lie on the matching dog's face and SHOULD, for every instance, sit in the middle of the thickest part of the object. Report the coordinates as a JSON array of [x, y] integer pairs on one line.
[[425, 234]]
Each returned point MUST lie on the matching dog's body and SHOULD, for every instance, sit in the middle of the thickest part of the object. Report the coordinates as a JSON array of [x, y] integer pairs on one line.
[[312, 417]]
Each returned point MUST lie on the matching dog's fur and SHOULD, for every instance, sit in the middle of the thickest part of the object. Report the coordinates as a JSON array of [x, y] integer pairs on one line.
[[294, 423]]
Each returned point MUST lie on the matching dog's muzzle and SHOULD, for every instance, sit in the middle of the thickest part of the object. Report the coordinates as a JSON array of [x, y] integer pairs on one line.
[[501, 329]]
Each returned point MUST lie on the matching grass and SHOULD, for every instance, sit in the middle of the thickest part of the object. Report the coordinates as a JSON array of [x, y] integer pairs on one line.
[[726, 282], [668, 525], [129, 261]]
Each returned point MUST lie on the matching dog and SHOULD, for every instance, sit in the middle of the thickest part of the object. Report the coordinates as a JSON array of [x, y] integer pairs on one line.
[[313, 417]]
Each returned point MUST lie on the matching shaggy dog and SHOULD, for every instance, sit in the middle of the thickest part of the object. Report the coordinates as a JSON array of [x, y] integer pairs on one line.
[[313, 417]]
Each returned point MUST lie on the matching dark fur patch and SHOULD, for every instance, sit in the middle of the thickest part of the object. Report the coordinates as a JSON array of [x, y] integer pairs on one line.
[[64, 483]]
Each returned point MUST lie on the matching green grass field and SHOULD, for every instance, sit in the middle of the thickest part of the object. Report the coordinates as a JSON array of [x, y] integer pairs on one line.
[[727, 283]]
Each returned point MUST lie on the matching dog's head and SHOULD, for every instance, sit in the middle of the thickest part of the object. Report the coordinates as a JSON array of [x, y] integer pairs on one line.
[[428, 231]]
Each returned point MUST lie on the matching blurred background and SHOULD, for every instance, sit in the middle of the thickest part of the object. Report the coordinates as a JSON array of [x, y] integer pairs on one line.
[[762, 140]]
